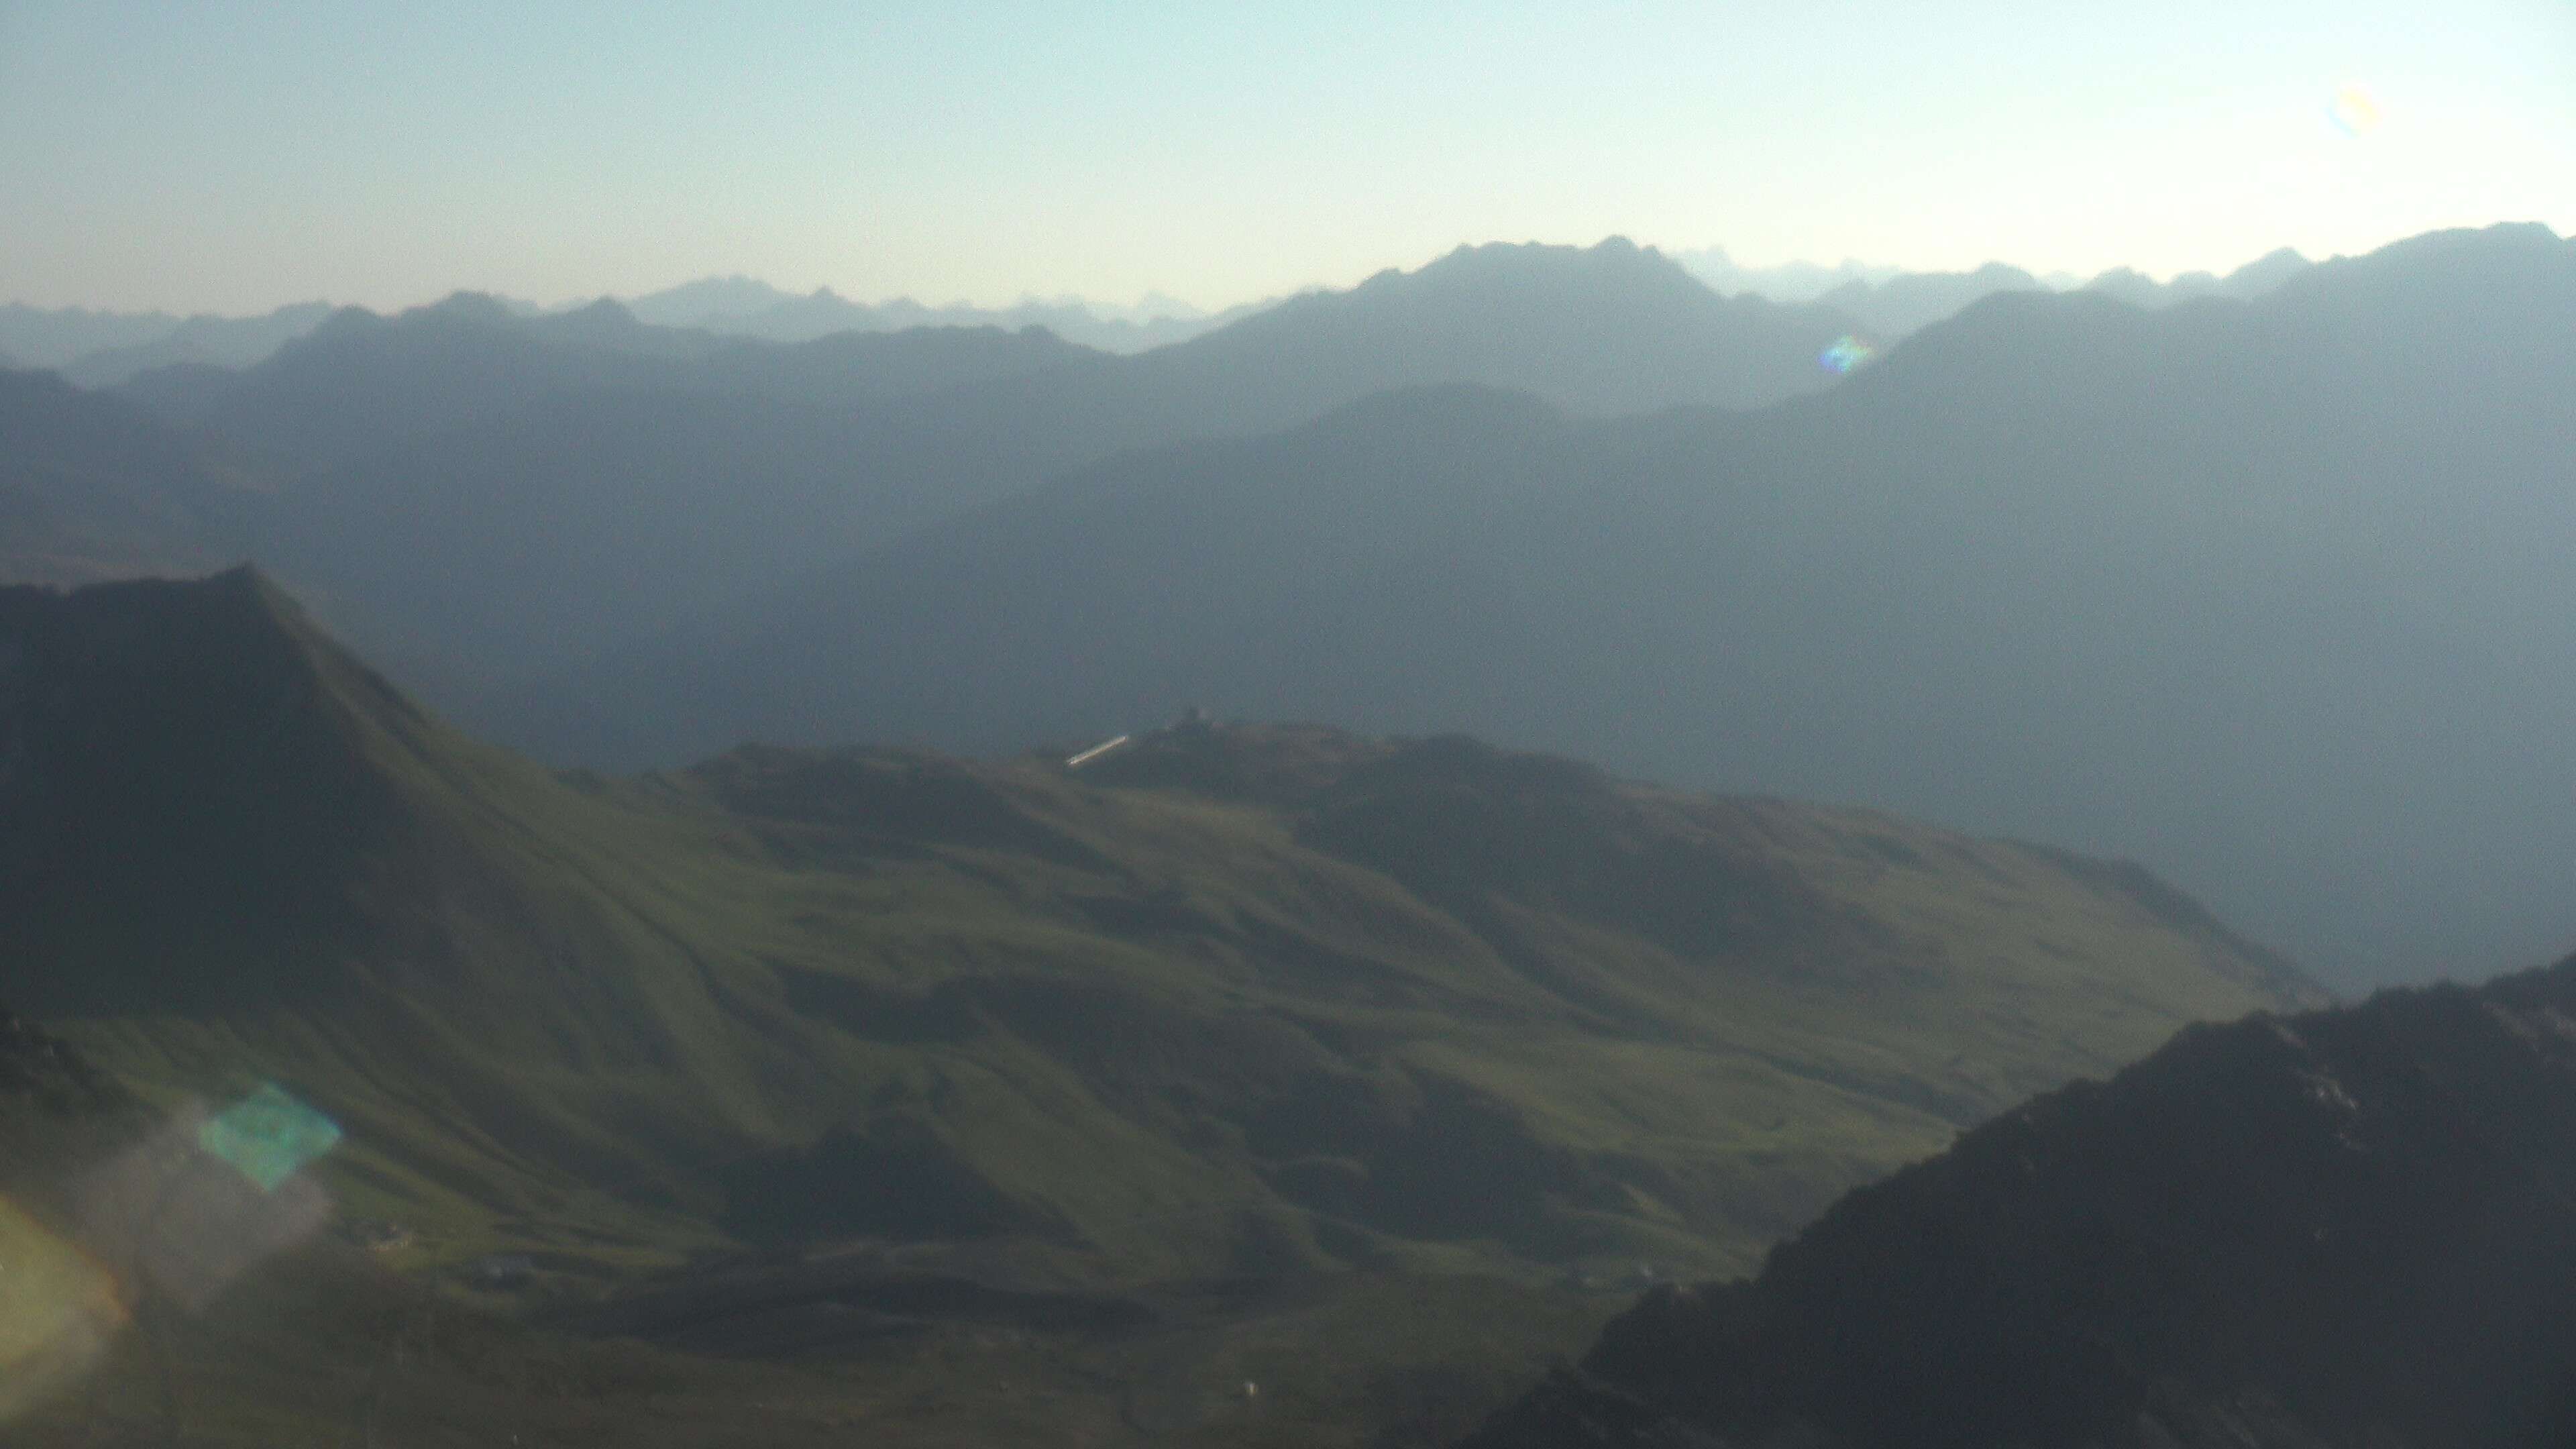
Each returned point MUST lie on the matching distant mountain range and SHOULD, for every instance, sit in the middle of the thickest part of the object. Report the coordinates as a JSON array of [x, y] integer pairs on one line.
[[743, 307], [2257, 591], [105, 349], [108, 349], [1892, 303], [480, 496], [2056, 567], [2328, 1231], [102, 349]]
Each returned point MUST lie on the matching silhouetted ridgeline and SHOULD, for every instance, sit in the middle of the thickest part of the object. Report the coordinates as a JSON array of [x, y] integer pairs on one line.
[[2351, 1229], [477, 496]]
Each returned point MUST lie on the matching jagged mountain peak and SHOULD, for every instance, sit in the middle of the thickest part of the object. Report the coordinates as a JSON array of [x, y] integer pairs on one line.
[[605, 314], [1611, 328], [2509, 275], [479, 308], [1525, 264], [186, 762]]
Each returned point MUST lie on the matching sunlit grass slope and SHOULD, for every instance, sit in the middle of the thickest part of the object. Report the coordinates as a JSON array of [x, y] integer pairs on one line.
[[1233, 1000]]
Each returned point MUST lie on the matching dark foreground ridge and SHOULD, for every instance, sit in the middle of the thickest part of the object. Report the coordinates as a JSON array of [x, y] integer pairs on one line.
[[2347, 1228]]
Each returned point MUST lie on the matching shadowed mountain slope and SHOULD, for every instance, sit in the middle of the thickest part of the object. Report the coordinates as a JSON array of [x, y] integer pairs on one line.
[[2262, 592], [92, 488], [2348, 1228], [1230, 1000]]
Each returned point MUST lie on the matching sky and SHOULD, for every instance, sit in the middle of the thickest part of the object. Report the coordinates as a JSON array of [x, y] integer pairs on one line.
[[234, 156]]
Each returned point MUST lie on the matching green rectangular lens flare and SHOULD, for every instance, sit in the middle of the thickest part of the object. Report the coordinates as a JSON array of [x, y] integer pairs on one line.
[[268, 1135]]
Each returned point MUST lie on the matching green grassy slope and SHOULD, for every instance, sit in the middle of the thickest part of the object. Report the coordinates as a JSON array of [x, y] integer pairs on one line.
[[1171, 1015], [1234, 1001]]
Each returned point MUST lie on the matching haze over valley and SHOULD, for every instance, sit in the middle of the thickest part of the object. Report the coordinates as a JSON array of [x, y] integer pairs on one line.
[[2058, 566]]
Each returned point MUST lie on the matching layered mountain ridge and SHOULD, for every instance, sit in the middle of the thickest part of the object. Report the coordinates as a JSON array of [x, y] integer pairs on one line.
[[571, 484], [625, 545], [2256, 590]]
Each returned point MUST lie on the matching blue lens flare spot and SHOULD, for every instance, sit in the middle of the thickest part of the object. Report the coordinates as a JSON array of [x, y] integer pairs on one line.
[[268, 1135], [1846, 353]]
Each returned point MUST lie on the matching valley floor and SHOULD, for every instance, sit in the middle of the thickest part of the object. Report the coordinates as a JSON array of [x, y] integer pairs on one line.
[[787, 1358]]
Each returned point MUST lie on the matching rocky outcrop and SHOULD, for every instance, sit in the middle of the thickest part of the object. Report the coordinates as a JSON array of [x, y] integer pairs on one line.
[[2345, 1228]]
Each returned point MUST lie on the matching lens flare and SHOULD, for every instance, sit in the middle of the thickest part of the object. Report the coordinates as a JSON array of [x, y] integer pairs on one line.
[[2354, 111], [58, 1312], [268, 1136], [181, 1213], [1846, 353]]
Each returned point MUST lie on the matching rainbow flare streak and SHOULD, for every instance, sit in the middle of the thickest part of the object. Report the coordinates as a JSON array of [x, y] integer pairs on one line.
[[1846, 353], [2353, 111]]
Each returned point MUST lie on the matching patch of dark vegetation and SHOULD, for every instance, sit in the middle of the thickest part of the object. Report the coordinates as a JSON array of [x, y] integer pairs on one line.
[[1320, 968], [1893, 851], [892, 1177], [1334, 1186], [1137, 1049], [1166, 911], [1416, 1157], [1268, 1243], [58, 1113], [1462, 824], [816, 806], [43, 1072], [803, 1309], [1433, 1406], [1353, 1244], [941, 1015]]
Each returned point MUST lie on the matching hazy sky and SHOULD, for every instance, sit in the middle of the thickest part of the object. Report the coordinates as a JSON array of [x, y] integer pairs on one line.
[[231, 156]]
